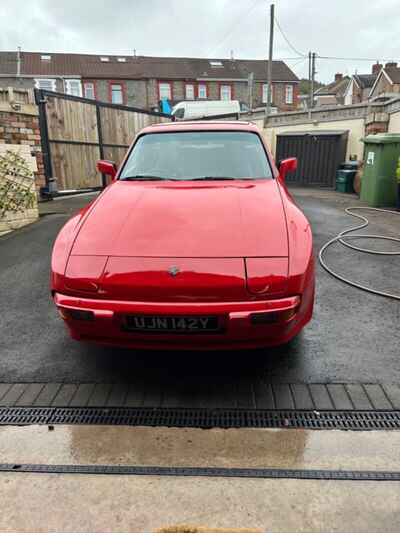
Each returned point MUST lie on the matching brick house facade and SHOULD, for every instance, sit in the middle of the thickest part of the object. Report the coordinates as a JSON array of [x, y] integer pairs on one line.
[[360, 85], [387, 82], [142, 81]]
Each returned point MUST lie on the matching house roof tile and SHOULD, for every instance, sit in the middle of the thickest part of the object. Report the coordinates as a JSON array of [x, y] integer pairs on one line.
[[336, 88], [137, 67], [365, 81], [393, 73]]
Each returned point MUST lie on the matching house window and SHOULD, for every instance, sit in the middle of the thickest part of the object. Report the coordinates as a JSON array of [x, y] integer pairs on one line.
[[88, 88], [73, 87], [45, 57], [265, 93], [216, 64], [122, 60], [164, 90], [117, 95], [225, 92], [46, 84], [189, 91], [104, 59], [202, 90], [289, 94]]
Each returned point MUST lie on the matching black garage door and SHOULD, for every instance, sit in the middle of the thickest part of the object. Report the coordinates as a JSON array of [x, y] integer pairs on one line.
[[319, 155]]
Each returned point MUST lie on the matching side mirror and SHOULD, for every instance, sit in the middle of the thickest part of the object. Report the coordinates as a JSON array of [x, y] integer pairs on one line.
[[107, 167], [287, 165]]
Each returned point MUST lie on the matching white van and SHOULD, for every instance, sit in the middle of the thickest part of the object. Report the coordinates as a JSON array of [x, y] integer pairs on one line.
[[205, 108]]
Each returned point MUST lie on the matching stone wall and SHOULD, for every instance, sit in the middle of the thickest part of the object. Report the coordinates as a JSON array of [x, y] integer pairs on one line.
[[240, 91], [135, 91]]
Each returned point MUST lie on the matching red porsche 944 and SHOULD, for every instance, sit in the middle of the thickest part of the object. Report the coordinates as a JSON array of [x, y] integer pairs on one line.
[[195, 244]]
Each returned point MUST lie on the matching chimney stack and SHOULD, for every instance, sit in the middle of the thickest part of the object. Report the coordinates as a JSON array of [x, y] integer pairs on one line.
[[338, 76], [392, 64], [376, 68]]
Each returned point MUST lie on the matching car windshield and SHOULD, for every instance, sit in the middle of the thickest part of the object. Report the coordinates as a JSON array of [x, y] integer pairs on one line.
[[198, 155]]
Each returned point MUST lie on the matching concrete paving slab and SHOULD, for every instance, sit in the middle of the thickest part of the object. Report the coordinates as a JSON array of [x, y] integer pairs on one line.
[[232, 448], [48, 503]]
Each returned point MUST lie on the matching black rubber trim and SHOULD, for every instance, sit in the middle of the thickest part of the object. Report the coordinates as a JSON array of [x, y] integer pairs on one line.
[[274, 473], [203, 418]]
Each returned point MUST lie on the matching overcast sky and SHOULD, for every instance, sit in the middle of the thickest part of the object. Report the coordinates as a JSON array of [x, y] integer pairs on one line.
[[209, 28]]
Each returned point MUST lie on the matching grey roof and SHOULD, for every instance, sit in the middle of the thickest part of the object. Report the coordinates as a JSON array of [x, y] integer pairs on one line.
[[139, 67], [336, 88], [393, 73], [365, 81]]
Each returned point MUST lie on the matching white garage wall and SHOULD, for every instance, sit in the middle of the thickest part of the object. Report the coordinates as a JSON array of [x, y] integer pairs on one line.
[[355, 127], [394, 123]]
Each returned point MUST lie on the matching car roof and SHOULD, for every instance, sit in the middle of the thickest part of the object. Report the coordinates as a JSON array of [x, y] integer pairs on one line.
[[208, 125]]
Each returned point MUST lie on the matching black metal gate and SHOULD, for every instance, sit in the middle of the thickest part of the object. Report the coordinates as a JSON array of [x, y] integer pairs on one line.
[[319, 154], [76, 132]]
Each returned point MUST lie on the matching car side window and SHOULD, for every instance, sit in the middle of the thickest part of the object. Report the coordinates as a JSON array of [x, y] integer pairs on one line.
[[180, 113]]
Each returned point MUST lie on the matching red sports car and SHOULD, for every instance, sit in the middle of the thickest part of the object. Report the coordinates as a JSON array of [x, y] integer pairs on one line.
[[196, 244]]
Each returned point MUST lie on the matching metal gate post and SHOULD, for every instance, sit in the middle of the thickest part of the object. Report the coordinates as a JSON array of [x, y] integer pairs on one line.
[[41, 101]]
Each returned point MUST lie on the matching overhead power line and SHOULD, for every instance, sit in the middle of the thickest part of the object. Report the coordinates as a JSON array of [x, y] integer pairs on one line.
[[287, 40], [354, 58], [239, 20], [298, 63]]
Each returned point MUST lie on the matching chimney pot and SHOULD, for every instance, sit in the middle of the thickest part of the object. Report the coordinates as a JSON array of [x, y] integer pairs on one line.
[[338, 76], [376, 68]]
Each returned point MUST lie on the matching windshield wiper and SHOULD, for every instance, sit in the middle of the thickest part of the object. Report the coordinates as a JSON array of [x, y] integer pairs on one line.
[[212, 178], [146, 177]]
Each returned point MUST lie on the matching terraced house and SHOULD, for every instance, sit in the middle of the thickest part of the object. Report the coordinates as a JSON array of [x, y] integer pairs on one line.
[[143, 81]]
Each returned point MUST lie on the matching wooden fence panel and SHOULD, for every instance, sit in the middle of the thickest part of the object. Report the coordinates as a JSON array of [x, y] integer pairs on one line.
[[76, 132], [118, 126], [74, 166], [71, 120], [114, 154]]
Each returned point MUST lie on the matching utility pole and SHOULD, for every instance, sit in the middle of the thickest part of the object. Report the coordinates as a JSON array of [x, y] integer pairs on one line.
[[309, 85], [250, 82], [312, 78], [269, 73]]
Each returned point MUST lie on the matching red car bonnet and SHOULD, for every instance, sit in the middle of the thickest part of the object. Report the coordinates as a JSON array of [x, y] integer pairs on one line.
[[225, 219]]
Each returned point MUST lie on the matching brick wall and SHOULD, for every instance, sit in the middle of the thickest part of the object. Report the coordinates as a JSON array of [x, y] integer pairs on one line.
[[20, 128]]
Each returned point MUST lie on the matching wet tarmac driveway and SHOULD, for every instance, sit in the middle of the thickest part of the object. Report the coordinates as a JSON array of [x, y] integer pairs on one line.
[[353, 338]]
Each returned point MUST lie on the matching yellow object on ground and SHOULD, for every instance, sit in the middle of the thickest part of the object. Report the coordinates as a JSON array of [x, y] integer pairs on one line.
[[194, 529]]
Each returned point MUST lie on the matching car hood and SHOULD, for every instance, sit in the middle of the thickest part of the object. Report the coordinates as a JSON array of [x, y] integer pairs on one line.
[[182, 219]]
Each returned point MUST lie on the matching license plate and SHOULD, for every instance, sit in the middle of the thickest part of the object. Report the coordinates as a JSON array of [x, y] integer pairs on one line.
[[176, 324]]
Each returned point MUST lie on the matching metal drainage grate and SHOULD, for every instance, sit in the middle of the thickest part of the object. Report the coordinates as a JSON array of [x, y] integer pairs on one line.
[[203, 418], [274, 473]]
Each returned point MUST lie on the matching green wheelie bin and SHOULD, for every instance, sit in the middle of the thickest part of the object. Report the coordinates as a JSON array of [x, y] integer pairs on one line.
[[379, 183]]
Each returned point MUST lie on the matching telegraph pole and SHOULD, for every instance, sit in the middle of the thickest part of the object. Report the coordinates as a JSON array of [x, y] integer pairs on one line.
[[269, 73], [309, 83], [312, 78], [250, 82]]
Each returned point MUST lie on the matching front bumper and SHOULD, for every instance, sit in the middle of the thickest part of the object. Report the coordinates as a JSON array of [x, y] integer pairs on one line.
[[239, 328]]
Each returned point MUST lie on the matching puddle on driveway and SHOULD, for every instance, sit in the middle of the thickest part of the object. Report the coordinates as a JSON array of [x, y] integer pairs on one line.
[[252, 448]]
